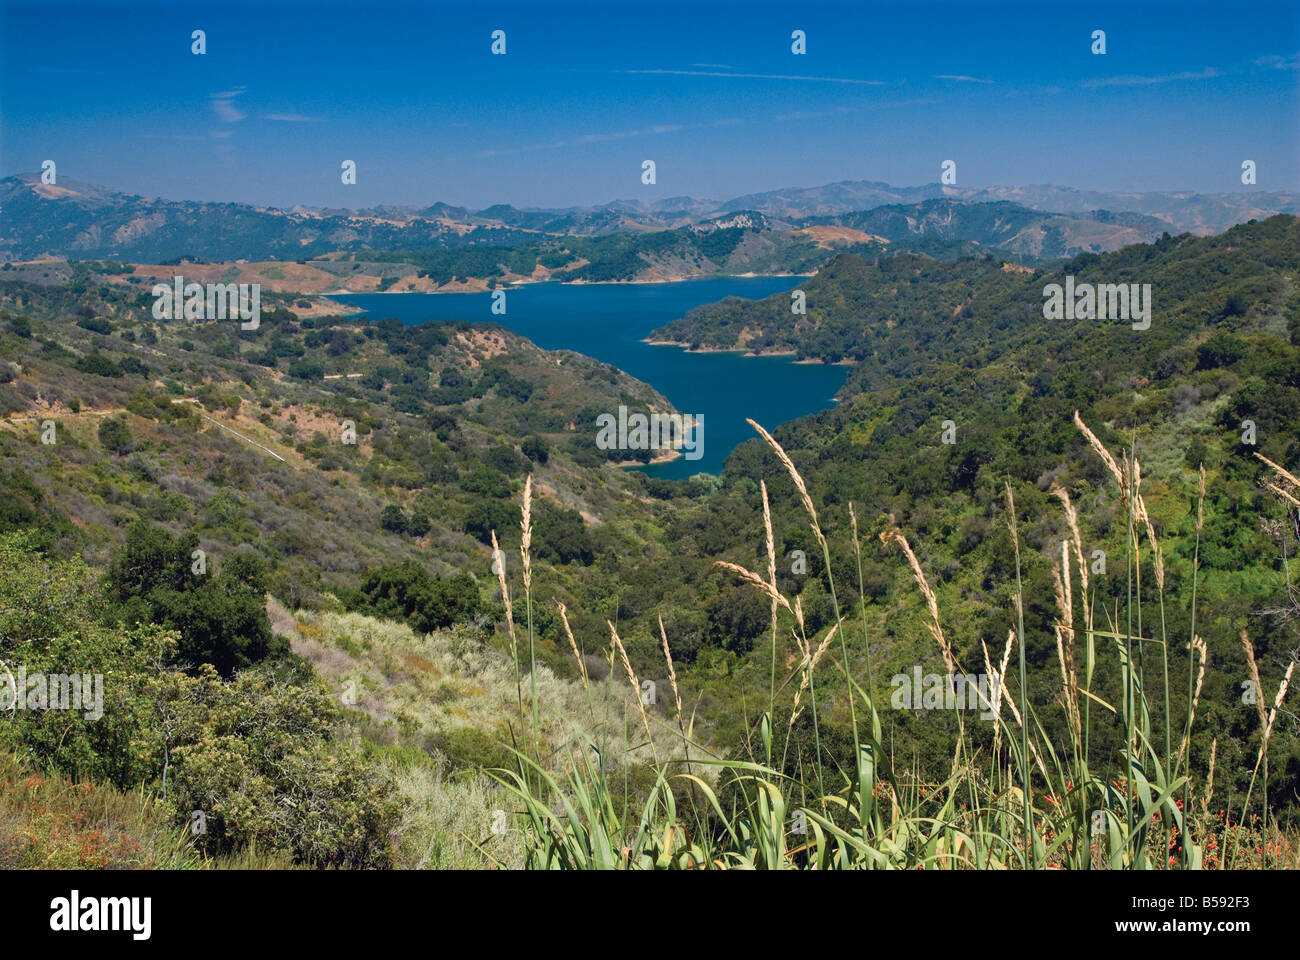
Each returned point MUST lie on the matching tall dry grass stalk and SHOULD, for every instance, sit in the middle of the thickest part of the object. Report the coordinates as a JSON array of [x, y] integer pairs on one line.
[[1072, 521], [1130, 481], [770, 542], [636, 687], [801, 636], [754, 580], [1253, 666], [1026, 777], [892, 534], [677, 696], [794, 475], [1157, 555], [1064, 630], [1102, 452], [1130, 488], [526, 525], [1285, 474], [1266, 720], [498, 558], [1282, 493], [1194, 688], [1286, 477], [1277, 703], [811, 510], [812, 660], [1000, 674], [1294, 481], [672, 672], [1198, 650], [573, 644]]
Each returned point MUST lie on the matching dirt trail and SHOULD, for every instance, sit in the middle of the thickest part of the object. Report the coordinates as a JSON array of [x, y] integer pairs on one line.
[[11, 421]]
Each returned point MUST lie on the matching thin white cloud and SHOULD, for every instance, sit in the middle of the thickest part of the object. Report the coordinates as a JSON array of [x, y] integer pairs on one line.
[[588, 138], [713, 66], [1209, 73], [960, 78], [223, 105], [649, 131], [756, 76], [839, 111], [1052, 91], [1279, 63], [288, 117]]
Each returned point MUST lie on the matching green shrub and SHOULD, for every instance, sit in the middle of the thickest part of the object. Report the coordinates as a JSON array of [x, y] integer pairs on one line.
[[406, 591], [258, 757], [473, 748], [114, 435], [221, 619]]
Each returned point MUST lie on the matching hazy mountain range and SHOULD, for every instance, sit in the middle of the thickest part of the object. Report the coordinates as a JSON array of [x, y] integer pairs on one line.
[[1183, 211], [82, 221]]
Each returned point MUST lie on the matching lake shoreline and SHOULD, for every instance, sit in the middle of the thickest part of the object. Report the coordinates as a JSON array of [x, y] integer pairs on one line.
[[744, 352], [478, 290], [613, 323]]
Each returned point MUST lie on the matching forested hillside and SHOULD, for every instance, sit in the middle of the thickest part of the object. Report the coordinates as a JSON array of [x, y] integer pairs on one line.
[[961, 352]]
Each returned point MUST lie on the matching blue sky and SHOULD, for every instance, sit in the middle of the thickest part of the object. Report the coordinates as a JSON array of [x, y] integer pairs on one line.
[[710, 91]]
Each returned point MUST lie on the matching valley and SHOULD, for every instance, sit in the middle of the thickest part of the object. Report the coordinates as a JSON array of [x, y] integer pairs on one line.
[[375, 556]]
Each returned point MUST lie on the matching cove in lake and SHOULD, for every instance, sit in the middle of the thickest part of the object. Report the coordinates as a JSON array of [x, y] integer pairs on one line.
[[610, 322]]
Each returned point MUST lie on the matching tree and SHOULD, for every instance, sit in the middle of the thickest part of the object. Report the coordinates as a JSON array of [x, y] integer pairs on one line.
[[98, 364], [561, 535], [736, 618], [221, 618], [504, 459], [406, 591], [339, 343], [535, 449], [1235, 306], [488, 515], [114, 435], [393, 519]]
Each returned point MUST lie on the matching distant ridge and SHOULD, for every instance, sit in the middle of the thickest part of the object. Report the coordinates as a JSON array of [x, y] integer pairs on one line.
[[83, 221], [1184, 212]]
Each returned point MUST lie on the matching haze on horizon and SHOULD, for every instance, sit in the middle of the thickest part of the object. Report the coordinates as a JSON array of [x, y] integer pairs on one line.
[[412, 94]]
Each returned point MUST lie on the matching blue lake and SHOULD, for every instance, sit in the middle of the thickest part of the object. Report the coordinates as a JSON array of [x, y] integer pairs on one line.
[[610, 321]]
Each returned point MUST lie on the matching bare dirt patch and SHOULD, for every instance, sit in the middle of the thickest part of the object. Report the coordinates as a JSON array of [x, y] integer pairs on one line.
[[306, 421], [829, 236], [481, 344]]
